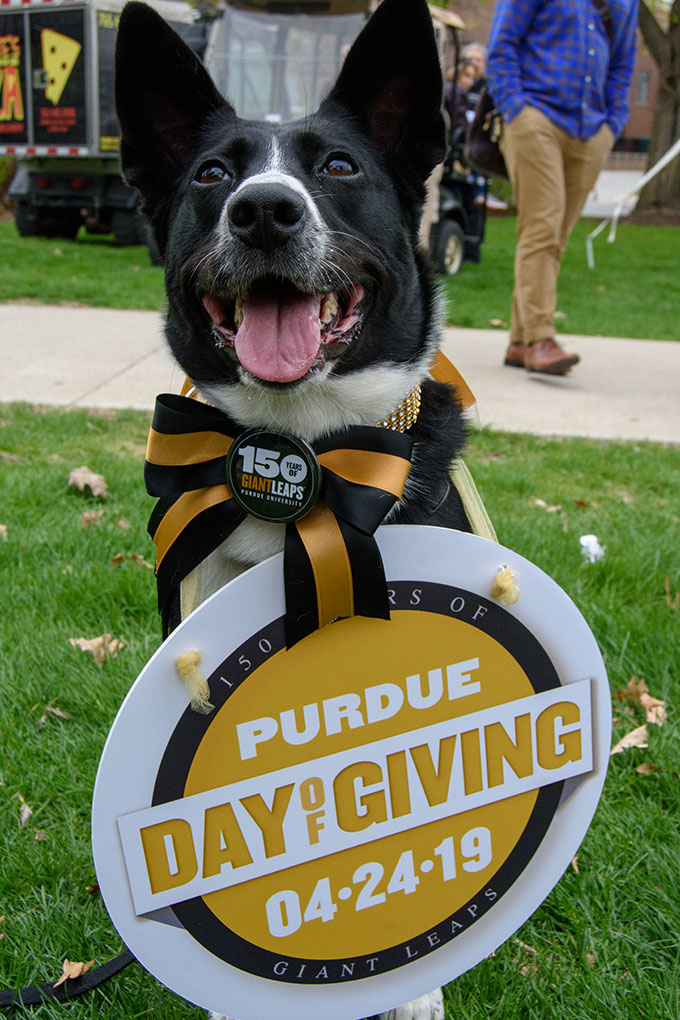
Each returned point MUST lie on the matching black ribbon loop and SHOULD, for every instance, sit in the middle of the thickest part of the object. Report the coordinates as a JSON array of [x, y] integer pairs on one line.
[[185, 467]]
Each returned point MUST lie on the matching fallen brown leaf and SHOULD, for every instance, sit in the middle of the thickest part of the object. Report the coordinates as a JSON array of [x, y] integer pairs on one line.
[[92, 890], [91, 517], [72, 970], [655, 709], [523, 945], [581, 502], [647, 768], [633, 689], [135, 557], [636, 738], [530, 966], [672, 603], [100, 646], [550, 508], [52, 710], [574, 863], [3, 532], [82, 478], [123, 524], [55, 710], [41, 836], [25, 811], [590, 960]]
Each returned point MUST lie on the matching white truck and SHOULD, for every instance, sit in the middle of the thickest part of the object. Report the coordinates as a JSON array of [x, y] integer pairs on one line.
[[57, 114]]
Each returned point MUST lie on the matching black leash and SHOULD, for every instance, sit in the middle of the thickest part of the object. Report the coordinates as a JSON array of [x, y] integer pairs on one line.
[[35, 995]]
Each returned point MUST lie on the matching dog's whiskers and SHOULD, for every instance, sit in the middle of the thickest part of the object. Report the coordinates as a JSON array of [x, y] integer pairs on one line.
[[360, 240], [199, 265]]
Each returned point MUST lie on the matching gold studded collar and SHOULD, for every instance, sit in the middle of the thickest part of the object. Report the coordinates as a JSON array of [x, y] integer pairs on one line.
[[406, 415]]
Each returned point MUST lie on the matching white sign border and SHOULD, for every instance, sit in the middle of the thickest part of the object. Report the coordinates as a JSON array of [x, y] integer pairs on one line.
[[134, 749]]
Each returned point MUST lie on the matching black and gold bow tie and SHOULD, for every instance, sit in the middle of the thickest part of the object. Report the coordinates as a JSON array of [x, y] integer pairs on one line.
[[332, 564]]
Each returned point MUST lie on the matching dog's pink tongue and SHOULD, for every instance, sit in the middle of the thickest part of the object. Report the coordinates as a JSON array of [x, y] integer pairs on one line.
[[280, 335]]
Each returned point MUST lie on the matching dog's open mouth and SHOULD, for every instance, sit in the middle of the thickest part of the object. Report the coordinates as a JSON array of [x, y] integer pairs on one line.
[[279, 333]]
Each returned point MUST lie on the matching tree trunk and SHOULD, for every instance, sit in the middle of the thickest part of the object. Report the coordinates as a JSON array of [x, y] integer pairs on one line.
[[663, 191]]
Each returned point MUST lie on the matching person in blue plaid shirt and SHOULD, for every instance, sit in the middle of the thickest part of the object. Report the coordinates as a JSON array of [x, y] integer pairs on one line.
[[562, 81]]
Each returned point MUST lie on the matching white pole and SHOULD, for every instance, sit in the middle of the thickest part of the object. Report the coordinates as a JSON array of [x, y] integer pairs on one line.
[[621, 201]]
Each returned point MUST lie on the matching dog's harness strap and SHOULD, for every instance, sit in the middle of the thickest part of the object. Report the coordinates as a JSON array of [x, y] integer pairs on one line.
[[475, 511], [363, 473], [34, 995], [444, 371]]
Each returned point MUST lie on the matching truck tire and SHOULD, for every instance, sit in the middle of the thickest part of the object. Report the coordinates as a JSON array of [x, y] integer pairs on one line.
[[46, 222], [127, 227], [61, 223], [26, 222]]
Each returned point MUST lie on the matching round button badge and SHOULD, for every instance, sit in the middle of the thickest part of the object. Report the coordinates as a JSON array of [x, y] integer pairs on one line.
[[273, 476]]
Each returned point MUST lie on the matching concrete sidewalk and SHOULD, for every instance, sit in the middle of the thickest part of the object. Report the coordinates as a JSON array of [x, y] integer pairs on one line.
[[91, 357]]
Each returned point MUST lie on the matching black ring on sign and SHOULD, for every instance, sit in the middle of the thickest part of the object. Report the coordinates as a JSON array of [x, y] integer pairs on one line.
[[195, 915]]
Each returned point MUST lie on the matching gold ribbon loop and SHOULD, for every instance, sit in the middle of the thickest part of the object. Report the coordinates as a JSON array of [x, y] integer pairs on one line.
[[166, 450], [443, 371], [182, 512], [364, 467], [327, 552]]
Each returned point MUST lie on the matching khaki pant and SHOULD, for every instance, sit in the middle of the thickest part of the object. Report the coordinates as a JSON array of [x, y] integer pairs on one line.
[[552, 176]]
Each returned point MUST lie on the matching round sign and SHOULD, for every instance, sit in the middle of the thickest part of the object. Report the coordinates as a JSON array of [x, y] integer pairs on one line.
[[366, 815], [273, 476]]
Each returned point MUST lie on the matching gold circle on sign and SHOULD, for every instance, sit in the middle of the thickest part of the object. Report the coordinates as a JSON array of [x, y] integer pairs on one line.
[[349, 657]]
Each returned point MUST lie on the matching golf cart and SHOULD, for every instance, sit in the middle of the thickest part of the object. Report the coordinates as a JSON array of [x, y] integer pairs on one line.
[[459, 234]]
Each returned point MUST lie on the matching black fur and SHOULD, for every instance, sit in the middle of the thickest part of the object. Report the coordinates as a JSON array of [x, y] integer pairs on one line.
[[383, 115]]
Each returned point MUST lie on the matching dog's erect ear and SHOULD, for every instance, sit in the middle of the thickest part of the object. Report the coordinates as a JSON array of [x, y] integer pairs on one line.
[[163, 97], [391, 80]]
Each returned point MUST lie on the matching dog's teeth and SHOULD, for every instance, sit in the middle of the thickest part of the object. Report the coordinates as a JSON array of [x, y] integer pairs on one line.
[[329, 309], [238, 312]]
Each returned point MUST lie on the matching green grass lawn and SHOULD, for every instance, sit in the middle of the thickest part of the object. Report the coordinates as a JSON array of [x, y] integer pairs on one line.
[[630, 293], [90, 270], [605, 942]]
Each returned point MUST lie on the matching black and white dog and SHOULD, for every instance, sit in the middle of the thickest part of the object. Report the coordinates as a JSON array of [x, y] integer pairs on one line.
[[298, 298]]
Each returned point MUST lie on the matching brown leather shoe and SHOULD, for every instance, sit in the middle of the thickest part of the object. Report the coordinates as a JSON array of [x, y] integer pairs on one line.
[[548, 357], [515, 354]]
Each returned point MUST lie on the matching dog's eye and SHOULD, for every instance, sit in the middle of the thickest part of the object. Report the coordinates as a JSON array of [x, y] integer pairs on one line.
[[212, 173], [339, 166]]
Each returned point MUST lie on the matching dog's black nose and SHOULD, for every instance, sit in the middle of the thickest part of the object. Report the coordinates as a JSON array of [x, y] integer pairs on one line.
[[266, 216]]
